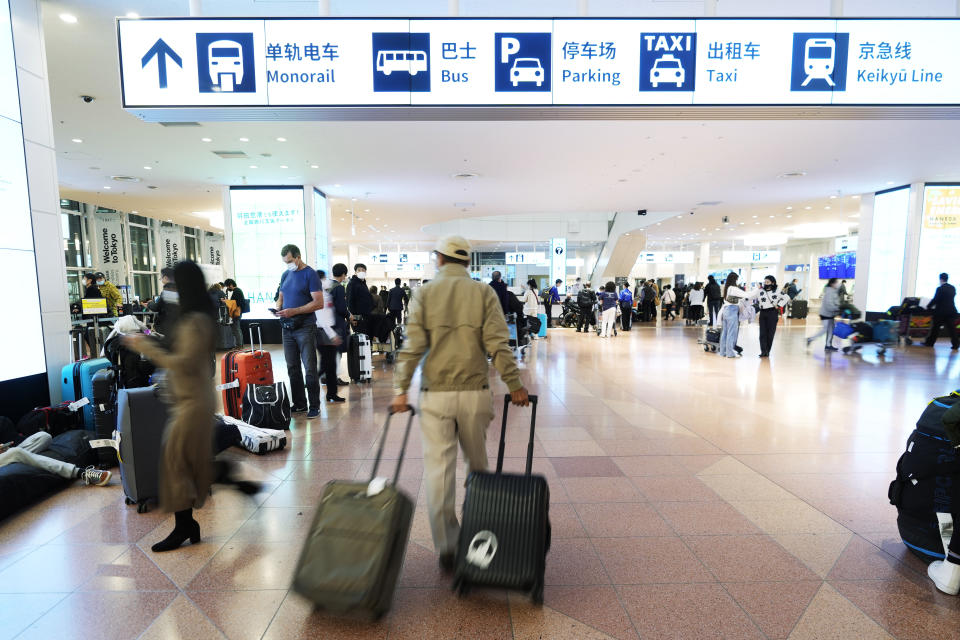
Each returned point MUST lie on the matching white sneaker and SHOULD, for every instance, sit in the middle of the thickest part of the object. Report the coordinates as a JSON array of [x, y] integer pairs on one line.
[[946, 575], [95, 477]]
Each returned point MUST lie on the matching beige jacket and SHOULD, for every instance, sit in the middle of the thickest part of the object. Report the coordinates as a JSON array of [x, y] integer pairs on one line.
[[455, 322]]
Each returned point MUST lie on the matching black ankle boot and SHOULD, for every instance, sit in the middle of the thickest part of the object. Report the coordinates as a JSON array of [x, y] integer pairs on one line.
[[186, 527]]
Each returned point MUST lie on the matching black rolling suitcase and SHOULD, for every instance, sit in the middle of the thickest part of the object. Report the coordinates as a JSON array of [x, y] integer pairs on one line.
[[505, 534], [105, 414], [352, 556], [798, 309]]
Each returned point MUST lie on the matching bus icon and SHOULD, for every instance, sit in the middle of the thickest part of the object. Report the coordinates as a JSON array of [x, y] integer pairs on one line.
[[819, 59], [412, 62], [225, 64]]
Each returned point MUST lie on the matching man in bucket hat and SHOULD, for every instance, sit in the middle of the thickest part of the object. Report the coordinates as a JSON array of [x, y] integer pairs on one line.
[[455, 322]]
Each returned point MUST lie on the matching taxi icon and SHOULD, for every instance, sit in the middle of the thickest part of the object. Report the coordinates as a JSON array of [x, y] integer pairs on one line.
[[526, 70], [667, 69]]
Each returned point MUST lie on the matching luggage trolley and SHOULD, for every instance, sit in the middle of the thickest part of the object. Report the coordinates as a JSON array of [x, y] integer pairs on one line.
[[882, 333], [710, 339]]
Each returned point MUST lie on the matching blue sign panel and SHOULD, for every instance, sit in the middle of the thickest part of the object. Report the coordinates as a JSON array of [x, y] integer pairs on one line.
[[819, 62], [668, 61], [522, 62], [225, 63], [401, 62]]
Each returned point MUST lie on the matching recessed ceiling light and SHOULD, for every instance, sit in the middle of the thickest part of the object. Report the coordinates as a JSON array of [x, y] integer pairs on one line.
[[281, 139], [283, 166], [773, 216], [789, 208], [827, 208], [659, 223], [353, 199], [253, 166], [890, 182], [336, 185], [69, 18], [833, 197], [855, 197], [808, 208], [755, 216], [147, 167], [134, 212], [106, 187], [789, 216], [745, 223], [244, 139], [314, 166], [133, 15], [756, 223], [77, 140], [206, 139], [679, 216]]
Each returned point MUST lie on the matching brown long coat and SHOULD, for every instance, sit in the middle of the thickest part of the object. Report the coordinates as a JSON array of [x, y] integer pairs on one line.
[[186, 464]]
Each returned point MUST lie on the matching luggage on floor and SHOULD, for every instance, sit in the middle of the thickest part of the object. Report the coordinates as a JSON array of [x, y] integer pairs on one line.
[[141, 418], [928, 477], [225, 435], [133, 369], [105, 414], [256, 440], [915, 324], [798, 309], [359, 358], [76, 382], [240, 368], [542, 332], [505, 533], [266, 406], [351, 559], [848, 311], [225, 338], [54, 420]]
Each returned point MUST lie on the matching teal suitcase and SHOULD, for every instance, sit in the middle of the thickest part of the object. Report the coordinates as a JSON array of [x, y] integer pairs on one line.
[[76, 381]]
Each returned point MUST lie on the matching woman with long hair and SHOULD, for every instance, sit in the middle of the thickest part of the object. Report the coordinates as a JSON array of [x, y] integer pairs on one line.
[[829, 310], [730, 315], [186, 459], [531, 306], [770, 303], [695, 299], [608, 309]]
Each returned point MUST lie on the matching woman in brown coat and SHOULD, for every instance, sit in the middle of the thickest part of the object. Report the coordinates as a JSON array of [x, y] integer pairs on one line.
[[186, 463]]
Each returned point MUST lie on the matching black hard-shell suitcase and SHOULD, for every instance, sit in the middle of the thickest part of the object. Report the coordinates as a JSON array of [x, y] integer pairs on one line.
[[352, 557], [798, 309], [505, 534], [141, 419], [105, 414]]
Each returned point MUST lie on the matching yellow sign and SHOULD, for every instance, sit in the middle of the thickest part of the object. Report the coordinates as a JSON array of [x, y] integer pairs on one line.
[[94, 306], [941, 208]]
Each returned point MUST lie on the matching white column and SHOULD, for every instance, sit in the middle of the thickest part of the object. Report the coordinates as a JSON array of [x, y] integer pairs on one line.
[[43, 186], [911, 254], [864, 244], [228, 262], [453, 8], [704, 262], [583, 8], [836, 8], [710, 8], [323, 8], [196, 8]]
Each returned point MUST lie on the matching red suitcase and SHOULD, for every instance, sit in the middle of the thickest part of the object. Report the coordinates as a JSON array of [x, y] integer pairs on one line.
[[244, 367]]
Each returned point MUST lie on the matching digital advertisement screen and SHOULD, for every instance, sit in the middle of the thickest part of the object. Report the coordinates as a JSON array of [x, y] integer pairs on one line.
[[322, 222], [263, 220], [939, 238], [888, 242], [19, 323]]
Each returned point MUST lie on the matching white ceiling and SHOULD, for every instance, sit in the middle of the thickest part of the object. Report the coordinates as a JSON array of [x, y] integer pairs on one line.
[[401, 173]]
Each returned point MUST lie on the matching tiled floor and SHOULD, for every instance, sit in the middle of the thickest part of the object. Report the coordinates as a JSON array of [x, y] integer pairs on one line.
[[692, 497]]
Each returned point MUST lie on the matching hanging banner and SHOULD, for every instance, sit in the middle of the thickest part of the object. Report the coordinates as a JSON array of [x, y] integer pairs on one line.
[[213, 249], [110, 254], [171, 245]]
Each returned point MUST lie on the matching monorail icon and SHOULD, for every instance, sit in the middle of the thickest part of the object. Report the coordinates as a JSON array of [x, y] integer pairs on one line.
[[819, 60], [412, 62], [225, 63]]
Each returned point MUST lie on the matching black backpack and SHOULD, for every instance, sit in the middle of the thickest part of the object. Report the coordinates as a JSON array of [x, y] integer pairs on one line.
[[266, 406], [585, 298], [928, 479]]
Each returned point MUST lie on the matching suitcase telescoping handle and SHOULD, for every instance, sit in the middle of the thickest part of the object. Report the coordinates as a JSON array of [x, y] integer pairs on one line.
[[259, 336], [503, 433], [403, 446]]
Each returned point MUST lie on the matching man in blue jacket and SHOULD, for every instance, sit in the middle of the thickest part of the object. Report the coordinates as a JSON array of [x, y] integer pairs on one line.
[[553, 297]]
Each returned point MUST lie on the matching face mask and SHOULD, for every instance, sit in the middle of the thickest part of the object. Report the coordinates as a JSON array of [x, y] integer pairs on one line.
[[100, 282], [291, 266], [769, 287], [362, 275]]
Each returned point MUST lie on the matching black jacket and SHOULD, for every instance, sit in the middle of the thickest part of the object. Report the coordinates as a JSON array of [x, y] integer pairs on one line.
[[502, 294], [712, 291], [396, 299], [943, 303], [359, 298], [237, 296]]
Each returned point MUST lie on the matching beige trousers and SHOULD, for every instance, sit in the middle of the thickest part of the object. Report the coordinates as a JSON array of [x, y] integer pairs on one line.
[[448, 417]]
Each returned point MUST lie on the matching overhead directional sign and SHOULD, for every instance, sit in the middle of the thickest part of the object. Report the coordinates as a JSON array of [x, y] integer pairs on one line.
[[187, 62]]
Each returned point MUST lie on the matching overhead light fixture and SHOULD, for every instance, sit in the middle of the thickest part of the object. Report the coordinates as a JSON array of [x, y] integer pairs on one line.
[[133, 15], [106, 187], [206, 139], [253, 166], [147, 167], [244, 139], [281, 139], [827, 208], [134, 212], [283, 166], [789, 216], [69, 18], [890, 182], [314, 166], [808, 208], [833, 197], [336, 185], [789, 208], [77, 140], [857, 197]]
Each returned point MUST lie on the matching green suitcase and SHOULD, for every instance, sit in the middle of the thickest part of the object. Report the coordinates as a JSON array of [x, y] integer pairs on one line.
[[352, 557]]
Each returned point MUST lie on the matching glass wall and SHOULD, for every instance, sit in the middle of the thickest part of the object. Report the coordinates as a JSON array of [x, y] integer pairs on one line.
[[76, 246], [891, 209], [143, 257], [191, 244]]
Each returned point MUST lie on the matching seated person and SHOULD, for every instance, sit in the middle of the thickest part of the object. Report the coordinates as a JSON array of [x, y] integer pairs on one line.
[[27, 453]]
